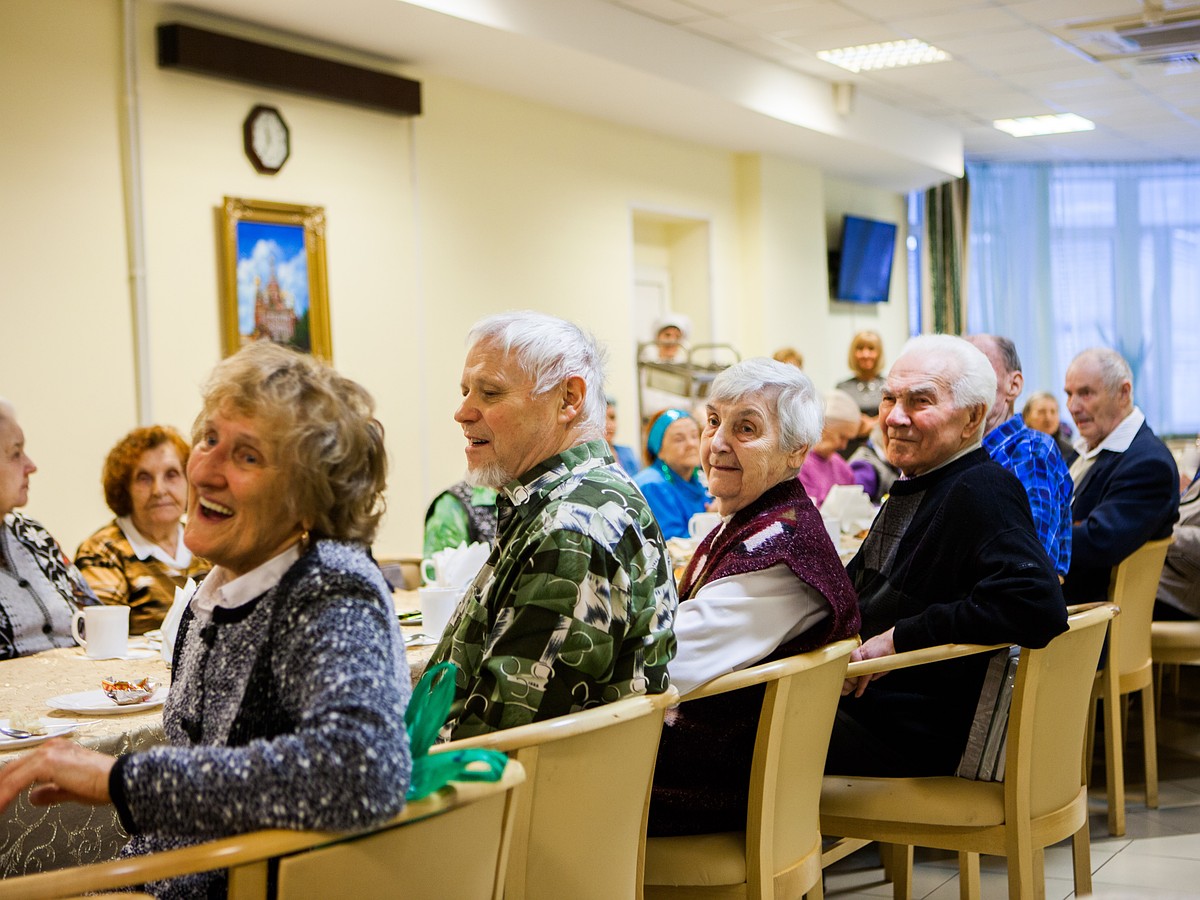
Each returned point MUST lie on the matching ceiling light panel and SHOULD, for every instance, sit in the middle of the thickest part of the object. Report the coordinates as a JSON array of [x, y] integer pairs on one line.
[[887, 55], [1033, 126]]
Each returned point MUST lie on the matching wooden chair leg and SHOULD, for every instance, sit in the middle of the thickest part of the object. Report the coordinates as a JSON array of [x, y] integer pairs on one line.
[[1039, 873], [1081, 860], [968, 876], [817, 891], [1150, 745], [1114, 764]]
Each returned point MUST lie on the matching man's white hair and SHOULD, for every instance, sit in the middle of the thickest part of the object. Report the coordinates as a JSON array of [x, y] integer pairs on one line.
[[972, 378], [550, 350], [1114, 370]]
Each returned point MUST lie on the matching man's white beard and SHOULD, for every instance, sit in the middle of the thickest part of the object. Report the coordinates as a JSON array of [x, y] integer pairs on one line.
[[491, 475]]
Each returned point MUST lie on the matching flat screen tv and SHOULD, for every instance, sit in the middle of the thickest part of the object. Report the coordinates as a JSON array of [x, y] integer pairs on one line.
[[863, 265]]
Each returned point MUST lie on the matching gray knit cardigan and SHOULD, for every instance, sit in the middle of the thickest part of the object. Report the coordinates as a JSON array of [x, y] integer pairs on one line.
[[284, 713]]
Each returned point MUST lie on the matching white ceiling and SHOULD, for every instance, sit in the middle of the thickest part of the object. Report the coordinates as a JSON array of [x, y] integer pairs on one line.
[[743, 74]]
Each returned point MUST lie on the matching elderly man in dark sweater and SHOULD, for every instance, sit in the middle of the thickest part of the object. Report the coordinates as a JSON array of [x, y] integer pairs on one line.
[[952, 557]]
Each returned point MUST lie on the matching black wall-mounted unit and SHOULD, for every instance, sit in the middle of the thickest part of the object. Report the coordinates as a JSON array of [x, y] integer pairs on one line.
[[208, 53]]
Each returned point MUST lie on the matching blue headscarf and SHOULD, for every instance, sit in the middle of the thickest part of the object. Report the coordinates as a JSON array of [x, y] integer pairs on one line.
[[658, 430]]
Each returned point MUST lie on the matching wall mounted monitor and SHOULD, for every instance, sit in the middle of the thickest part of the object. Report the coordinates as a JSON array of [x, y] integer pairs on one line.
[[861, 270]]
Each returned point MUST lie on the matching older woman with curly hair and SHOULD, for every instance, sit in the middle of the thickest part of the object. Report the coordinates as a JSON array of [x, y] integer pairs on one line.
[[289, 682], [139, 558]]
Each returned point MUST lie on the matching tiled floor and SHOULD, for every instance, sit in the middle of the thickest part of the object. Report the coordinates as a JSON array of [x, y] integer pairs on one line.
[[1158, 857]]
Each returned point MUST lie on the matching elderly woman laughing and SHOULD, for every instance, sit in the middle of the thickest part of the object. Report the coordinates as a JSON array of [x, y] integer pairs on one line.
[[765, 584], [290, 683]]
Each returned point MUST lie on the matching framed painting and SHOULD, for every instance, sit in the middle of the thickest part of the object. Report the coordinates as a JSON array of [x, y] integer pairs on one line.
[[273, 278]]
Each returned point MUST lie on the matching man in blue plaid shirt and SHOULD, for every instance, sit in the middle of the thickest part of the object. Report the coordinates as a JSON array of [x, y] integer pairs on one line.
[[1030, 455]]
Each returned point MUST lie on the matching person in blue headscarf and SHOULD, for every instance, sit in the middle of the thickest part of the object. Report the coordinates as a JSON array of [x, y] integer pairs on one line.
[[671, 481]]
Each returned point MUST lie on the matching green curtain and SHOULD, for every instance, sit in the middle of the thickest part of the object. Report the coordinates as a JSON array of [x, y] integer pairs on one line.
[[945, 254]]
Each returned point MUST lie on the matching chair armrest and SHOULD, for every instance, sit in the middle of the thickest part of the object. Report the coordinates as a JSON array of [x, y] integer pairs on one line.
[[507, 740], [909, 658], [242, 849]]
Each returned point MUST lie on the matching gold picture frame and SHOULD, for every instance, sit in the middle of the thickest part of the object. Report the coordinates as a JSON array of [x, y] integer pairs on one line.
[[273, 278]]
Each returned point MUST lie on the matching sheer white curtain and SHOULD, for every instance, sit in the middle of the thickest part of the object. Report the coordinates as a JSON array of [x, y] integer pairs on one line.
[[1069, 256]]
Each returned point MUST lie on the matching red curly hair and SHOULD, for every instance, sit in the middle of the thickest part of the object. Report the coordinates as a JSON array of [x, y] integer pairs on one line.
[[123, 459]]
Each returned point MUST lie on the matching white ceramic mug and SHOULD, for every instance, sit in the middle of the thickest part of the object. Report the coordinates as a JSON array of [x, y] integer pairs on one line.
[[105, 632], [701, 523], [437, 606], [432, 571]]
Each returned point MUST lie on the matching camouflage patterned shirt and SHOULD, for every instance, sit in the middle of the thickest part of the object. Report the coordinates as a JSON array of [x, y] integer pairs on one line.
[[575, 605]]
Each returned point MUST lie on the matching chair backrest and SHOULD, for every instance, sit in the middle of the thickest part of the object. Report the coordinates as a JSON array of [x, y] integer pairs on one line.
[[1049, 715], [1132, 587], [783, 814], [394, 859], [459, 851], [580, 818]]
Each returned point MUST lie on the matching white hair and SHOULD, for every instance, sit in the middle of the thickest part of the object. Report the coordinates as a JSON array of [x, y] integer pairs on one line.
[[972, 379], [797, 407], [550, 350], [840, 407], [1114, 370]]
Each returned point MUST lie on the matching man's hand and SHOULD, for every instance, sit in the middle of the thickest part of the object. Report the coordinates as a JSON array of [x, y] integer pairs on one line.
[[872, 648], [58, 770]]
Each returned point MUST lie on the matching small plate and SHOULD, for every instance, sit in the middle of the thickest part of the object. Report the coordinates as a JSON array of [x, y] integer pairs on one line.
[[131, 653], [420, 640], [53, 729], [96, 703]]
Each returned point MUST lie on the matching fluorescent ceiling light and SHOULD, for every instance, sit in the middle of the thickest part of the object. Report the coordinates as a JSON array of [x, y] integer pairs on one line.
[[888, 55], [1031, 126]]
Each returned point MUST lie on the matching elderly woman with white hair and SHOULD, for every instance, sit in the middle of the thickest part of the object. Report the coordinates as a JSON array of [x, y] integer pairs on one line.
[[765, 584], [823, 466], [39, 589]]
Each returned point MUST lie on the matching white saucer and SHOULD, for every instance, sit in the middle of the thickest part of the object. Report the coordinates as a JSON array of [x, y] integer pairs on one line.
[[97, 703], [131, 653], [53, 729]]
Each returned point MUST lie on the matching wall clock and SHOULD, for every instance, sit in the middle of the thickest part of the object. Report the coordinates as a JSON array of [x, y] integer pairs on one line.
[[266, 139]]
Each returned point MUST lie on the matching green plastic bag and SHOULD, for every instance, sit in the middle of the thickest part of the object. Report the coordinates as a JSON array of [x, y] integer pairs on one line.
[[424, 718]]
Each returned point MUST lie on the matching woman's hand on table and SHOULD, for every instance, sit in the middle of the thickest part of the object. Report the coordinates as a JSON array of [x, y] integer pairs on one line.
[[57, 771]]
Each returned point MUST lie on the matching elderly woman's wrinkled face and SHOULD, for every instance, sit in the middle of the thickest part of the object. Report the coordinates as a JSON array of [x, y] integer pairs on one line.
[[238, 515], [740, 452], [15, 466], [158, 489], [1042, 415], [681, 446], [834, 438]]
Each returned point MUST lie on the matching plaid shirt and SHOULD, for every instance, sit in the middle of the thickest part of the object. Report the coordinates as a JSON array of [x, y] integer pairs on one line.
[[575, 605], [1039, 466]]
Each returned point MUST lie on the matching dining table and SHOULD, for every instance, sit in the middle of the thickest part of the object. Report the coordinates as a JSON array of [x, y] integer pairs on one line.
[[41, 838], [38, 838]]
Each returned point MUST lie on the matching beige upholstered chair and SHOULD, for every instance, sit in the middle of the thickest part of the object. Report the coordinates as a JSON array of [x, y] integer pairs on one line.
[[580, 817], [1042, 800], [1174, 643], [779, 853], [1132, 589], [410, 856]]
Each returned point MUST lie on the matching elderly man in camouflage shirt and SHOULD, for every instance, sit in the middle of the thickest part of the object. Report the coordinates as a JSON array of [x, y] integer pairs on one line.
[[575, 605]]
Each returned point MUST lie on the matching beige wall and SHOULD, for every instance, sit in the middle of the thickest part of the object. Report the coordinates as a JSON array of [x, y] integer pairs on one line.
[[486, 202]]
